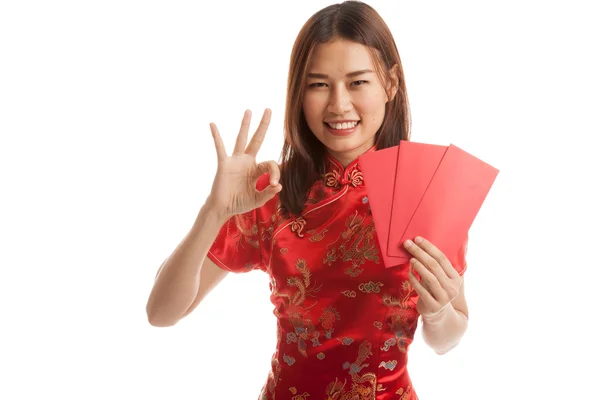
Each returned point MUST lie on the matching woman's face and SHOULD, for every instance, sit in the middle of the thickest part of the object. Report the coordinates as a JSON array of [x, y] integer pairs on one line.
[[344, 102]]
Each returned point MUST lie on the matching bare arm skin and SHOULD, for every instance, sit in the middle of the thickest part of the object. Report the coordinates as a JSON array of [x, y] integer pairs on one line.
[[188, 275]]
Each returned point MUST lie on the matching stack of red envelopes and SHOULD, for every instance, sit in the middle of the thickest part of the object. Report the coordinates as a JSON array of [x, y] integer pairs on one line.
[[418, 189]]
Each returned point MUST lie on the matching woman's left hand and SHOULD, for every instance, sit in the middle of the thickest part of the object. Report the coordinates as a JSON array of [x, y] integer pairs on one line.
[[440, 283]]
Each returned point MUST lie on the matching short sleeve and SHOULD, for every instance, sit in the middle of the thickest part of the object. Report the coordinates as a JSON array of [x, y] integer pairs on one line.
[[460, 259], [237, 247]]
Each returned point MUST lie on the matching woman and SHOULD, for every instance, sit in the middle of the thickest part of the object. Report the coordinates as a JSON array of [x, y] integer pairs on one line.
[[345, 322]]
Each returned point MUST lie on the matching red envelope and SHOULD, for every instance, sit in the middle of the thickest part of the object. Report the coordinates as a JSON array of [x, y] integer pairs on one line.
[[449, 205], [417, 163], [379, 172]]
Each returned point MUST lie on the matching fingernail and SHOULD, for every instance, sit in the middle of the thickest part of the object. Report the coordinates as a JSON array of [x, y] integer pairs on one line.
[[408, 243], [418, 240]]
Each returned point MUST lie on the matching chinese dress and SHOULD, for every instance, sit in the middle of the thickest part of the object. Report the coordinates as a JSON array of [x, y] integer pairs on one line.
[[344, 321]]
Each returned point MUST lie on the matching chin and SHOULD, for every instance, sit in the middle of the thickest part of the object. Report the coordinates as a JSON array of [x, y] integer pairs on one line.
[[349, 146], [342, 145]]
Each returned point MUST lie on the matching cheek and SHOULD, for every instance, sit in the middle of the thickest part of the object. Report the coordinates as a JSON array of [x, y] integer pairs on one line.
[[371, 108], [313, 109], [309, 107]]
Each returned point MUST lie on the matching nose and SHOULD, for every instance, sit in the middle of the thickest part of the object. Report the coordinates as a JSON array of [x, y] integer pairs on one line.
[[339, 102]]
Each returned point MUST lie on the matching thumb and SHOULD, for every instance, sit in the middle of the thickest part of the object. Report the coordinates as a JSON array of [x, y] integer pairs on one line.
[[272, 168], [267, 194]]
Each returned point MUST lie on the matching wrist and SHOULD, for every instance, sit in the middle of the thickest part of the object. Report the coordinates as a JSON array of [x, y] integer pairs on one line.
[[217, 213], [210, 218], [439, 316]]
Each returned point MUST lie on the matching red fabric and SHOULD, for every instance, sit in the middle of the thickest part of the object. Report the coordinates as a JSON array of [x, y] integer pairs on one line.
[[344, 321]]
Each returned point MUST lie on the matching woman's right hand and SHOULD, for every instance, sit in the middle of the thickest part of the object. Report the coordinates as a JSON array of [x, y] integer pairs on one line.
[[234, 188]]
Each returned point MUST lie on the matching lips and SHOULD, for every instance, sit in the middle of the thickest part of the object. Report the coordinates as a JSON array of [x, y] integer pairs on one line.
[[342, 124], [345, 128]]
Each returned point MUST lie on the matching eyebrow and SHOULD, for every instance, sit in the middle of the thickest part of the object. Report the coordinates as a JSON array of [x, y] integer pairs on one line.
[[349, 75]]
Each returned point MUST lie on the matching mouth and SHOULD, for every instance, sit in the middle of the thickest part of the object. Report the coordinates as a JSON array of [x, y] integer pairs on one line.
[[341, 128], [342, 125]]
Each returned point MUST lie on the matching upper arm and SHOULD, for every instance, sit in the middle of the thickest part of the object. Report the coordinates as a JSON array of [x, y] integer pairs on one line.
[[210, 276]]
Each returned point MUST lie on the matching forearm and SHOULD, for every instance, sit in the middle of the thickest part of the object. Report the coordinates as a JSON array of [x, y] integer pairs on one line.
[[444, 331], [178, 279]]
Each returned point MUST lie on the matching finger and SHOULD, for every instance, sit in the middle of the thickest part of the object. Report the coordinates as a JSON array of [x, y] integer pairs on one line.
[[429, 280], [437, 255], [272, 168], [424, 257], [221, 153], [267, 194], [421, 290], [259, 135], [242, 138]]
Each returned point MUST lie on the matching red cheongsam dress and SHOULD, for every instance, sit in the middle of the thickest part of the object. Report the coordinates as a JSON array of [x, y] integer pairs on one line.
[[344, 321]]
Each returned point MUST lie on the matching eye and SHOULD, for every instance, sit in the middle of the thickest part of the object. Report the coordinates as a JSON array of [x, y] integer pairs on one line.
[[358, 83], [316, 84]]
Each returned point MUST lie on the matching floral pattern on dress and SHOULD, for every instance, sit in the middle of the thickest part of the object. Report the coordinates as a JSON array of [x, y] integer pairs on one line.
[[344, 320]]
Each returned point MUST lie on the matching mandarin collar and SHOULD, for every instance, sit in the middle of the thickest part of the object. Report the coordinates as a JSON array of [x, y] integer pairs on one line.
[[337, 176]]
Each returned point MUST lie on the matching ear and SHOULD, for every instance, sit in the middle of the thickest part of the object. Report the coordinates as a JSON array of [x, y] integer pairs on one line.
[[392, 85]]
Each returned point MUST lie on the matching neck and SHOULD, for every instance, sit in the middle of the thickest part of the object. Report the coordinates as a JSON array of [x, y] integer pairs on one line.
[[346, 157]]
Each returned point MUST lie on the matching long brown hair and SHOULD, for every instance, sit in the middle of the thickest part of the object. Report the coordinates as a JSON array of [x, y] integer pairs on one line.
[[303, 155]]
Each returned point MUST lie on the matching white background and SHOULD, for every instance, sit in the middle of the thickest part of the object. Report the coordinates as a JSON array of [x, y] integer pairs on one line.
[[106, 157]]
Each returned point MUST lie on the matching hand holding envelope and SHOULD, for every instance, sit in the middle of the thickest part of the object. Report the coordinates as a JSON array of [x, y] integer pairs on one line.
[[418, 189]]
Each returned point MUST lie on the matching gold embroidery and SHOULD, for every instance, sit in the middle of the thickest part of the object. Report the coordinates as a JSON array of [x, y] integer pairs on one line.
[[357, 244], [273, 222], [293, 390], [332, 179], [329, 316], [317, 237], [335, 179], [349, 293], [247, 233], [289, 360], [405, 395], [346, 341], [389, 365], [403, 316], [370, 287], [356, 178], [302, 396], [330, 257], [272, 380], [389, 343], [267, 234], [357, 390], [304, 330], [298, 225]]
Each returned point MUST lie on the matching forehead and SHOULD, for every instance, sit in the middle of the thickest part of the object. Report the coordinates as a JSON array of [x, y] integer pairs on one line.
[[340, 57]]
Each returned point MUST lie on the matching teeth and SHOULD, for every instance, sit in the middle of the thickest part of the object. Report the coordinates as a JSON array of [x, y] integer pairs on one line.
[[345, 125]]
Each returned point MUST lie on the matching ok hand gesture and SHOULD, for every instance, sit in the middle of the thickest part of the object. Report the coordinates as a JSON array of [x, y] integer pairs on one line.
[[234, 187]]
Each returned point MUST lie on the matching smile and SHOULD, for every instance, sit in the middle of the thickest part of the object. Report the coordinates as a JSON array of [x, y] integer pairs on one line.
[[344, 125], [341, 129]]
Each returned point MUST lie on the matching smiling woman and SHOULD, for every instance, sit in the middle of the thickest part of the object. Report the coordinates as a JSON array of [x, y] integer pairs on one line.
[[344, 322], [345, 68], [106, 149], [344, 103]]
